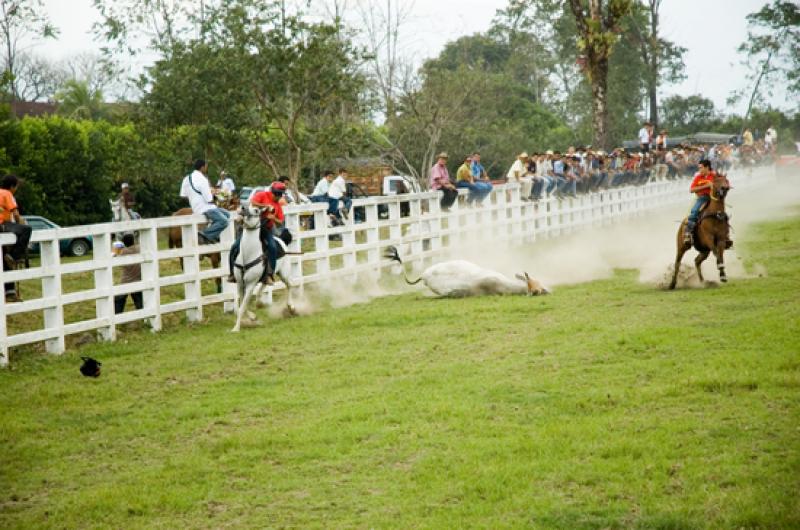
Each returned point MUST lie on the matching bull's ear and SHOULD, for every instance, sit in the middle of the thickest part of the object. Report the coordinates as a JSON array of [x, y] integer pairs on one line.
[[527, 278], [521, 277]]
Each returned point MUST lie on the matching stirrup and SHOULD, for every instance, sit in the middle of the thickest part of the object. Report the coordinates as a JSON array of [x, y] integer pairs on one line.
[[688, 238]]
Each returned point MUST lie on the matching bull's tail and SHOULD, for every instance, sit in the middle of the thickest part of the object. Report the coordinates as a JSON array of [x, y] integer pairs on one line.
[[392, 254]]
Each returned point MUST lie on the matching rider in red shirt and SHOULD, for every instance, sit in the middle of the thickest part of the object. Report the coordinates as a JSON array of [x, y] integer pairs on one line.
[[701, 186], [271, 218]]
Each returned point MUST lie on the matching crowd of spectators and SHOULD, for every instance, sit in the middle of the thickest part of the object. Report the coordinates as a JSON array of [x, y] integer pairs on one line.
[[584, 170]]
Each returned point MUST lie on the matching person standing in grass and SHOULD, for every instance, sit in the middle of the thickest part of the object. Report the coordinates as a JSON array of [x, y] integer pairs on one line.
[[130, 274]]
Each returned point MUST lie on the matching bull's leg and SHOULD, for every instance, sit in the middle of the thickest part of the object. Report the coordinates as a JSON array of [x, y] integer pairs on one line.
[[699, 261], [719, 250], [682, 248]]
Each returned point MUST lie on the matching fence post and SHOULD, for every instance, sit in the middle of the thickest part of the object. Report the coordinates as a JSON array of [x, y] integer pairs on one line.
[[104, 283], [3, 325], [151, 295], [191, 265], [51, 289]]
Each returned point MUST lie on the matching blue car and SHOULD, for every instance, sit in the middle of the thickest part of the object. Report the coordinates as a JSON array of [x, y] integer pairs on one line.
[[79, 246]]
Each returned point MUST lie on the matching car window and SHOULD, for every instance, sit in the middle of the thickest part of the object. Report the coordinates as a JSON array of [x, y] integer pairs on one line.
[[38, 224]]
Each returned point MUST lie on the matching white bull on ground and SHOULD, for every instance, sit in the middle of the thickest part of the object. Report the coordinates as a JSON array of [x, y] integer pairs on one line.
[[459, 278]]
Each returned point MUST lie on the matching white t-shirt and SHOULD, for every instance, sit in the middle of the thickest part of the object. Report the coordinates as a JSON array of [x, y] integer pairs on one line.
[[516, 172], [195, 188], [644, 136], [321, 188], [772, 136], [227, 185], [338, 188]]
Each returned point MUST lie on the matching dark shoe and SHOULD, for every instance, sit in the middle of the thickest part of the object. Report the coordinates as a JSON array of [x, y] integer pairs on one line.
[[728, 244], [269, 280], [231, 278], [203, 240]]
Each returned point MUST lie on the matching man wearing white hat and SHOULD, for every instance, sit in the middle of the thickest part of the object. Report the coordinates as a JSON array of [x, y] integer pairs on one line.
[[519, 173]]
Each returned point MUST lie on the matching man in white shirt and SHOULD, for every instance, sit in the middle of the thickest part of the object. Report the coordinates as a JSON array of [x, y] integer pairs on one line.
[[320, 193], [519, 173], [771, 138], [337, 191], [644, 137], [195, 187], [226, 184]]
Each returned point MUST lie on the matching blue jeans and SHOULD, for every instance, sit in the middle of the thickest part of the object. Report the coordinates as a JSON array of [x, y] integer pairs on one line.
[[695, 211], [318, 198], [218, 219], [538, 186], [477, 190], [333, 205]]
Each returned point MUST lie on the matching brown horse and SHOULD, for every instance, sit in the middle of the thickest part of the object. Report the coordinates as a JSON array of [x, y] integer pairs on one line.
[[176, 241], [711, 233]]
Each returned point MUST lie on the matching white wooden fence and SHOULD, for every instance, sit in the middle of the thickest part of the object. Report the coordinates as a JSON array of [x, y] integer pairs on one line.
[[413, 222]]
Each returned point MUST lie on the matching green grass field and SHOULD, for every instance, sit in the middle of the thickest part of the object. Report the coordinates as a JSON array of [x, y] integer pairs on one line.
[[606, 405]]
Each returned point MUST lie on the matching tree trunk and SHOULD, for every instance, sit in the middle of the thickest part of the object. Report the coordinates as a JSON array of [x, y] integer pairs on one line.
[[599, 105]]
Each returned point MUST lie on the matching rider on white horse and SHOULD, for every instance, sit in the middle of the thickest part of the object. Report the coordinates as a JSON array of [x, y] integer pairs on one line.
[[127, 201], [271, 219]]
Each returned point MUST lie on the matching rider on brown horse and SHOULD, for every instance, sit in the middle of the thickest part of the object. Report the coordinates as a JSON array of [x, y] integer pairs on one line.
[[701, 186]]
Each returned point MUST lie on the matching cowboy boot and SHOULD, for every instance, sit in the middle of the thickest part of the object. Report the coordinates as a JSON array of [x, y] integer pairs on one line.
[[687, 234]]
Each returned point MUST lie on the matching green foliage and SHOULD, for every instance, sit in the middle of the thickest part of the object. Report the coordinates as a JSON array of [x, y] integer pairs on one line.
[[608, 404], [686, 115], [771, 44]]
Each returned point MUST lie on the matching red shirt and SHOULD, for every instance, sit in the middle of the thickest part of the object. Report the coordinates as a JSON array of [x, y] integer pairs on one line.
[[699, 180], [266, 197], [7, 203]]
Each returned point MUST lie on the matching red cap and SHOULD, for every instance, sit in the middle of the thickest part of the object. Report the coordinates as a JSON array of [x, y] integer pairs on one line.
[[278, 186]]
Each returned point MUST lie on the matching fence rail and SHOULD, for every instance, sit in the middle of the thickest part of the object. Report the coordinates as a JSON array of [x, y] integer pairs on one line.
[[413, 222]]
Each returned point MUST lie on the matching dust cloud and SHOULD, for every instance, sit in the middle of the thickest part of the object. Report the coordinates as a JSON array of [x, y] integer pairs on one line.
[[645, 243]]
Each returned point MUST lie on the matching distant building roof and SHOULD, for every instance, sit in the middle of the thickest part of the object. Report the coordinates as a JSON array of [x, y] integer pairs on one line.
[[32, 108]]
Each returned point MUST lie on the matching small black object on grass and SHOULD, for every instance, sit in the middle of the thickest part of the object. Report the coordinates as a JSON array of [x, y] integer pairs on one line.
[[90, 367]]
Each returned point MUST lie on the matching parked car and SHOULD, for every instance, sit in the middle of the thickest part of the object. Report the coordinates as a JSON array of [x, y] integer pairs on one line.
[[79, 246]]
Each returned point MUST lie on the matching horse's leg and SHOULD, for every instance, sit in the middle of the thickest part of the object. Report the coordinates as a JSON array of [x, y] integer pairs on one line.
[[257, 288], [244, 297], [698, 261], [682, 248], [719, 250], [289, 303]]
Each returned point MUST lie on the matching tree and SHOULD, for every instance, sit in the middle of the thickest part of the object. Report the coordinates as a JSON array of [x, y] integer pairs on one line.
[[687, 115], [664, 59], [20, 21], [771, 46], [598, 31], [77, 101], [37, 78]]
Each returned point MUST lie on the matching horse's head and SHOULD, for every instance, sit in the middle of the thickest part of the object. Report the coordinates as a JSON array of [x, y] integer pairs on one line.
[[251, 217], [116, 209], [721, 185]]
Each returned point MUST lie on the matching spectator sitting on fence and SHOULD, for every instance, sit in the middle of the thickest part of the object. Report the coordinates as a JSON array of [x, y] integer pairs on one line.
[[320, 193], [518, 172], [195, 187], [12, 222], [464, 179], [130, 273], [337, 191], [440, 180], [479, 176]]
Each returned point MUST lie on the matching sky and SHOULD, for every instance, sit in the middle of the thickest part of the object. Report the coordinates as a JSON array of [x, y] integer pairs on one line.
[[710, 29]]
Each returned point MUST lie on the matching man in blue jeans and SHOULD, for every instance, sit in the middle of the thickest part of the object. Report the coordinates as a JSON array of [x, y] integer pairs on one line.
[[196, 188]]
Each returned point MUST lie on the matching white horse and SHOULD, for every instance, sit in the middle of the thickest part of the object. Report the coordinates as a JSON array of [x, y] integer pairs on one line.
[[251, 263], [118, 211]]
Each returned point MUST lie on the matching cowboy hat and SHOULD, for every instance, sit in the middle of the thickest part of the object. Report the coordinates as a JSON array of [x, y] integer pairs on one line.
[[442, 155], [523, 155]]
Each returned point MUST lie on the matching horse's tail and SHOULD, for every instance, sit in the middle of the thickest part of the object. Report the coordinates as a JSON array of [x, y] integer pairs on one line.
[[393, 254]]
